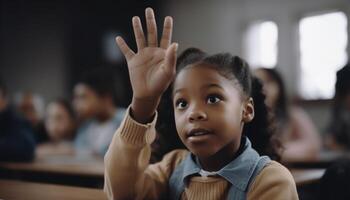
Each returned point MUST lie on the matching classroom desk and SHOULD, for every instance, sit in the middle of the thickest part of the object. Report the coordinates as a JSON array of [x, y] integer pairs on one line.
[[68, 170], [308, 182], [60, 165], [323, 160], [307, 176], [13, 190], [90, 172], [18, 190]]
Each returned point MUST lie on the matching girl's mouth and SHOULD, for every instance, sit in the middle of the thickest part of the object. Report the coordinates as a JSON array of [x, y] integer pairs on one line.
[[198, 135]]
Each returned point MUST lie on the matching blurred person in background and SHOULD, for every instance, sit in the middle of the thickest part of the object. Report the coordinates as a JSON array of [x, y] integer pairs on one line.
[[95, 104], [299, 136], [60, 124], [338, 137], [32, 108], [16, 137]]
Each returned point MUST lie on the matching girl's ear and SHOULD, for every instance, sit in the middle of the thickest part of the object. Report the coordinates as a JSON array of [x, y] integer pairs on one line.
[[248, 111]]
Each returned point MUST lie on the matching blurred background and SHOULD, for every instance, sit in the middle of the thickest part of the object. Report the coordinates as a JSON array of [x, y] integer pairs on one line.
[[45, 45], [52, 54]]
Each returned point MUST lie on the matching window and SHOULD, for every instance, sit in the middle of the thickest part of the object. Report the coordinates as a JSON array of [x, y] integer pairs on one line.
[[110, 49], [323, 41], [260, 44]]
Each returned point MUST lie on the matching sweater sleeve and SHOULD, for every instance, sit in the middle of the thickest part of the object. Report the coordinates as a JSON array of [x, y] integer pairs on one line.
[[128, 174], [274, 182]]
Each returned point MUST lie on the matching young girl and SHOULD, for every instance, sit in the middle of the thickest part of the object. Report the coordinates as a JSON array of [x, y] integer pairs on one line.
[[211, 101]]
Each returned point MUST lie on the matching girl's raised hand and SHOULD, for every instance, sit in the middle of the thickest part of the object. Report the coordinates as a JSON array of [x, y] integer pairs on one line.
[[152, 68]]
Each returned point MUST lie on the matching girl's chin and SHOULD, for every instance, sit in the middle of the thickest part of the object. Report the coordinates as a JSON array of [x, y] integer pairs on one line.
[[203, 152]]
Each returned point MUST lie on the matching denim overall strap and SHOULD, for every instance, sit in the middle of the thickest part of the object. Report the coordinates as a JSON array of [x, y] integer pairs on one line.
[[177, 179], [238, 194], [240, 173]]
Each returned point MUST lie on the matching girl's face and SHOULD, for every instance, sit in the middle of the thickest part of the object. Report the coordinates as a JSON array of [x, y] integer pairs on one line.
[[208, 110], [59, 124]]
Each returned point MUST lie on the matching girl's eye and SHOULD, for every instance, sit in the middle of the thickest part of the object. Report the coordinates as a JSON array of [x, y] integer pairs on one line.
[[212, 99], [181, 104]]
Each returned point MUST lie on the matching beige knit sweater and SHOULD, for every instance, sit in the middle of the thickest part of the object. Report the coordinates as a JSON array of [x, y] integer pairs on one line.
[[128, 174]]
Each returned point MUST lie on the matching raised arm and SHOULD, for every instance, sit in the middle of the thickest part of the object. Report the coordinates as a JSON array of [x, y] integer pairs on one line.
[[152, 68], [128, 174]]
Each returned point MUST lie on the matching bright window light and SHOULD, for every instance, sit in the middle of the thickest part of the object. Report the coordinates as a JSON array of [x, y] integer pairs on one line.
[[260, 44], [110, 49], [323, 42]]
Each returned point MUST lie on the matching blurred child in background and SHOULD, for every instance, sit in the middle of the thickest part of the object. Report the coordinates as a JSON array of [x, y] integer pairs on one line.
[[299, 136], [32, 108], [60, 124], [16, 137], [95, 103]]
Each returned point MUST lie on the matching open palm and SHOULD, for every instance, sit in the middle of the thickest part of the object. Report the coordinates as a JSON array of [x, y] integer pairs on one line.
[[152, 68]]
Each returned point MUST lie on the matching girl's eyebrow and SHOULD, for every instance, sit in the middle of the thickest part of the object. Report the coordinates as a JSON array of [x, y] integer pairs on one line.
[[178, 90], [210, 85]]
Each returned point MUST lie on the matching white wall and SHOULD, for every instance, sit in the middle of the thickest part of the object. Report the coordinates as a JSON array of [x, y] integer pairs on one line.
[[219, 25]]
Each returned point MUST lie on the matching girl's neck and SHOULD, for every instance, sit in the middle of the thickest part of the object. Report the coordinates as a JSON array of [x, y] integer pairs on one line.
[[221, 158]]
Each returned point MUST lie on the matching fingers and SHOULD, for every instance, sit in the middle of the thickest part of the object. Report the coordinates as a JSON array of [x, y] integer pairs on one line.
[[128, 53], [138, 32], [151, 28], [170, 58], [167, 33]]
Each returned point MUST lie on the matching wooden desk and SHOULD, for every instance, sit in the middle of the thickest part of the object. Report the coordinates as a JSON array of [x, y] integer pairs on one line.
[[60, 165], [323, 160], [307, 176], [90, 172], [308, 182], [13, 190], [68, 170]]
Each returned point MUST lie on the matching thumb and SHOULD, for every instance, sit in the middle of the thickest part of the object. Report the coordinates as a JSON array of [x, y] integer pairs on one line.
[[170, 58]]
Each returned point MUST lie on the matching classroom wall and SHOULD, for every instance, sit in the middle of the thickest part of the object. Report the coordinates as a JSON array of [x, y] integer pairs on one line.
[[217, 26], [32, 48], [46, 45], [40, 48]]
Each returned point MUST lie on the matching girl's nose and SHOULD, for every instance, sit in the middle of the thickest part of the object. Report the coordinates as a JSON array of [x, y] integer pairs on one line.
[[197, 115]]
